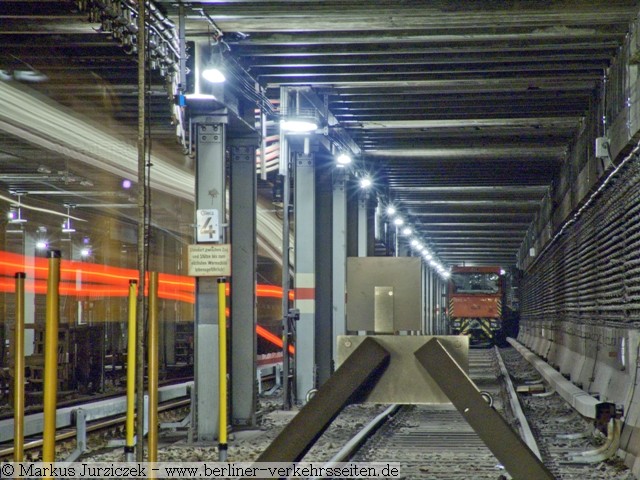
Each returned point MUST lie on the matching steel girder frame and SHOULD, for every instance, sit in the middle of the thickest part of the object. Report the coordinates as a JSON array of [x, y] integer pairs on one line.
[[243, 197], [210, 194]]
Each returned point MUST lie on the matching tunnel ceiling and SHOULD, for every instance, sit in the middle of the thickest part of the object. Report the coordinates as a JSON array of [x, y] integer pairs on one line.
[[464, 109]]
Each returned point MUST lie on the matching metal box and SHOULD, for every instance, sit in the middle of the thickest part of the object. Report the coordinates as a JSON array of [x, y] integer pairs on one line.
[[384, 294], [404, 380]]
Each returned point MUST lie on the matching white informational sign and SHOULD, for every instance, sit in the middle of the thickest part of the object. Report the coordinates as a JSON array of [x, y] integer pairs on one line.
[[210, 260], [207, 226]]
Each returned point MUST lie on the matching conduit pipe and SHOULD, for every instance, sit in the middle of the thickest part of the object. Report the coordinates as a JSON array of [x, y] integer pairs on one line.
[[605, 451], [141, 245]]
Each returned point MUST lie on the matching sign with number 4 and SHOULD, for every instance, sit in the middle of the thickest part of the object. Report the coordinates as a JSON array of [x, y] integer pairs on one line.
[[207, 226]]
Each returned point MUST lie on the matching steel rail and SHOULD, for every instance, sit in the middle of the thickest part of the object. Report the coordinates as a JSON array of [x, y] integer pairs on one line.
[[363, 435], [70, 433], [94, 411], [516, 408]]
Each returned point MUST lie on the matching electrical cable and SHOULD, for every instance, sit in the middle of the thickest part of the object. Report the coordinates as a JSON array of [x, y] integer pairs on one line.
[[635, 152], [39, 209]]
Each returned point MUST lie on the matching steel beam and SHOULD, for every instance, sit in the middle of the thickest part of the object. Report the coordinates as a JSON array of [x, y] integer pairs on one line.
[[349, 383], [305, 273], [210, 194], [362, 225], [352, 189], [243, 195], [324, 276], [492, 428], [339, 256]]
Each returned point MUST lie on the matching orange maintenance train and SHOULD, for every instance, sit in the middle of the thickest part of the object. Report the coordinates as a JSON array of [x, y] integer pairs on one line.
[[476, 296]]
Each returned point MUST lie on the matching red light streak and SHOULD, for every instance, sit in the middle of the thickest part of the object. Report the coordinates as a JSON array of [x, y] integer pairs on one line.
[[91, 280], [277, 341]]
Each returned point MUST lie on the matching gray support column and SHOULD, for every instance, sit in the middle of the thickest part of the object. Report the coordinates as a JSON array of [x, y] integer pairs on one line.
[[362, 224], [353, 192], [210, 194], [432, 304], [339, 259], [323, 332], [243, 193], [423, 295], [305, 275], [371, 226], [442, 300], [26, 245]]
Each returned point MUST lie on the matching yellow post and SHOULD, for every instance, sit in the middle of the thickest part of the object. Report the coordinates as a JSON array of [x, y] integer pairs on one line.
[[18, 379], [152, 365], [222, 365], [131, 372], [51, 357]]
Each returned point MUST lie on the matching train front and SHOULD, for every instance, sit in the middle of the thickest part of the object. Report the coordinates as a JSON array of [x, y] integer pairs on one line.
[[475, 304]]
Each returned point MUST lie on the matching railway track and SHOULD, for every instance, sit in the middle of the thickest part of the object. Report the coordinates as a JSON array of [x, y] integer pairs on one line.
[[99, 414], [435, 441], [561, 432]]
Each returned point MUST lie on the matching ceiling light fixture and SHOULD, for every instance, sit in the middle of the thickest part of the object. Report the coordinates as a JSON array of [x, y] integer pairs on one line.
[[15, 212], [365, 182], [407, 231], [398, 222], [343, 159], [66, 225], [391, 210], [213, 71], [213, 75], [298, 125]]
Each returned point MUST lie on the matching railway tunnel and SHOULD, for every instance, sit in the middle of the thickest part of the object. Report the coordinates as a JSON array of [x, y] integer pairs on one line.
[[471, 136]]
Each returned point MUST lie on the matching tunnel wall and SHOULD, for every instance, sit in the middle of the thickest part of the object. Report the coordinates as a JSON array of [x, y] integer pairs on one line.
[[581, 301], [614, 113]]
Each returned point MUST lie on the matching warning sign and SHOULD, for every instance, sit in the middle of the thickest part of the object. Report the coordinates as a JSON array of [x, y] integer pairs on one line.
[[210, 260]]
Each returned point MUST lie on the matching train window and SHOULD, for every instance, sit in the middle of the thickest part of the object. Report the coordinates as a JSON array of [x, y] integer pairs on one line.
[[474, 282]]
